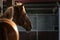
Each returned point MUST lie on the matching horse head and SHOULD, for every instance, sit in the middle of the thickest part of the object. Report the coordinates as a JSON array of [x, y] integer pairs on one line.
[[21, 18], [18, 14]]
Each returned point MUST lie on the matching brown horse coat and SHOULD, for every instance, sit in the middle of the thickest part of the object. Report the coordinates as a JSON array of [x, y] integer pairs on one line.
[[8, 30]]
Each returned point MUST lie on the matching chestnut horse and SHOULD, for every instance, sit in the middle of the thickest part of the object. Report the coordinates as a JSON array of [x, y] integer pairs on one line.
[[17, 14], [8, 30]]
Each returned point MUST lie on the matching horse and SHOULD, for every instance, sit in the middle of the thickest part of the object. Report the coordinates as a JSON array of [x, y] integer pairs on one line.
[[18, 15], [8, 30]]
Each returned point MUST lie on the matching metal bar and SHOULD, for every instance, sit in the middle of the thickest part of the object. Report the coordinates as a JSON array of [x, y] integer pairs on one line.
[[1, 5]]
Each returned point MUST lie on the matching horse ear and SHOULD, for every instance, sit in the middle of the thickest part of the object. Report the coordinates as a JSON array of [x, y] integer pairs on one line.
[[19, 4], [24, 10]]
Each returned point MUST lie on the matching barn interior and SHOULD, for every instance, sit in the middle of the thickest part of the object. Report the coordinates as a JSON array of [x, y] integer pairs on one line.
[[44, 15]]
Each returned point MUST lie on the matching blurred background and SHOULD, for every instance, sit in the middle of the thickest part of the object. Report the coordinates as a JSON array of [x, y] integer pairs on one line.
[[44, 17]]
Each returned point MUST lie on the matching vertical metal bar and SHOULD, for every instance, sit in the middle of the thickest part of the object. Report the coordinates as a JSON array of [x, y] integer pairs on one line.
[[37, 25], [1, 13], [59, 19], [13, 2], [1, 7]]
